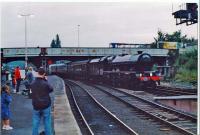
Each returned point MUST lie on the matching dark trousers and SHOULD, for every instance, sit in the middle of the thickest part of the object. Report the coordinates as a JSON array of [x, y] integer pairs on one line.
[[27, 91], [18, 84]]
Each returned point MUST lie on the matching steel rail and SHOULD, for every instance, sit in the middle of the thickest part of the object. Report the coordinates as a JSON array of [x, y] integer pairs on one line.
[[131, 131], [193, 118], [154, 116], [79, 111], [178, 91], [171, 91]]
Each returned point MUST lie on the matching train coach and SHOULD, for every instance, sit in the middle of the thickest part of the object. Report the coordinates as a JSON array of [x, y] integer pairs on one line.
[[126, 71], [78, 70], [58, 69]]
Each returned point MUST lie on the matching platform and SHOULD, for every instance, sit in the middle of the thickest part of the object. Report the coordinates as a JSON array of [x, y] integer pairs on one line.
[[185, 103], [63, 121]]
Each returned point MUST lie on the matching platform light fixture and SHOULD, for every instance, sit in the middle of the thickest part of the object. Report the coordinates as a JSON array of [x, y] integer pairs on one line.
[[78, 36], [25, 34]]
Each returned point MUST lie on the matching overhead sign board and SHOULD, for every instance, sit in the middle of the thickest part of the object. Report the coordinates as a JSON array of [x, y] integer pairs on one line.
[[169, 45]]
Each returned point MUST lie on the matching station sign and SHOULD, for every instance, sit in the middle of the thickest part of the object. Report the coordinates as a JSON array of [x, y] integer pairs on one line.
[[169, 45]]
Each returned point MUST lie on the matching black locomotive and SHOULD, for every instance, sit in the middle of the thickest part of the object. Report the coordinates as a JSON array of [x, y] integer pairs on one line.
[[126, 71]]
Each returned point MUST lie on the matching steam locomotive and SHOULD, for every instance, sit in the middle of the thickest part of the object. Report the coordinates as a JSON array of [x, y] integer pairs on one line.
[[126, 71]]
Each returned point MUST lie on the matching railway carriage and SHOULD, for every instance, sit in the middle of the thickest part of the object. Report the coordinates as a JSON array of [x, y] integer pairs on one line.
[[78, 70], [127, 71], [58, 69], [96, 68]]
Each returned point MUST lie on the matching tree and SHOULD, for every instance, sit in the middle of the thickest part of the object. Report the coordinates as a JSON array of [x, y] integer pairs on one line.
[[174, 37], [160, 37], [53, 44], [58, 42]]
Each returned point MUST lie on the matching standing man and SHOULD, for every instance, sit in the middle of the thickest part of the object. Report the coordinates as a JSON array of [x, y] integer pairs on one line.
[[18, 78], [29, 78], [41, 102]]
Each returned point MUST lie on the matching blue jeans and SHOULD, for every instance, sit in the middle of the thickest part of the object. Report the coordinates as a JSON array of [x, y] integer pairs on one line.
[[37, 115]]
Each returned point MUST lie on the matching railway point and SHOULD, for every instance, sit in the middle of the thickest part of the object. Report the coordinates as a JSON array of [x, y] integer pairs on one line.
[[115, 68]]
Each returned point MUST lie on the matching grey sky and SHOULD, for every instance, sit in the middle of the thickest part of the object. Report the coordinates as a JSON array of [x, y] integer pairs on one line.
[[100, 23]]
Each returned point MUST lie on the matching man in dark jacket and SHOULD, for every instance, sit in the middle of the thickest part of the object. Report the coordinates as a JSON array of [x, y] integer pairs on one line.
[[41, 102]]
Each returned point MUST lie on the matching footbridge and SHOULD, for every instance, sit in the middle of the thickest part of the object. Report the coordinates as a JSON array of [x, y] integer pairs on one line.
[[74, 51], [41, 55]]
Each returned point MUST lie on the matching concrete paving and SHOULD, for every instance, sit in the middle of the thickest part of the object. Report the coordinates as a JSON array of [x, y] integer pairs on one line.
[[21, 114], [64, 121], [21, 118], [21, 109]]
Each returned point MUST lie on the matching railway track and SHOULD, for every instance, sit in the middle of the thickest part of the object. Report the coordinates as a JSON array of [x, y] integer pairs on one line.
[[180, 121], [138, 118], [95, 116], [151, 97], [169, 91]]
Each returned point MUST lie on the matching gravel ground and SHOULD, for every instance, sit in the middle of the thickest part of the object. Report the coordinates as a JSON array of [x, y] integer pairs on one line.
[[178, 85], [97, 119], [138, 122]]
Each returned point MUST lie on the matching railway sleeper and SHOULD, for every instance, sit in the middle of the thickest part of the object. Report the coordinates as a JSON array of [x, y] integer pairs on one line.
[[181, 121], [188, 125], [188, 128], [168, 116]]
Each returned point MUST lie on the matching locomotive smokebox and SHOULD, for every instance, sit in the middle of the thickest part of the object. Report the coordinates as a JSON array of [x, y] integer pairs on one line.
[[139, 52]]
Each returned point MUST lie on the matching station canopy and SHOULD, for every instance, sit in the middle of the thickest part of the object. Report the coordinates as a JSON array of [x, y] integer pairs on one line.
[[13, 64]]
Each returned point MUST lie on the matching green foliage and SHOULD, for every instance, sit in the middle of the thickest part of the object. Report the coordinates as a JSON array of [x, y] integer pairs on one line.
[[185, 75], [173, 54], [174, 37], [53, 44], [57, 43], [161, 36], [187, 64]]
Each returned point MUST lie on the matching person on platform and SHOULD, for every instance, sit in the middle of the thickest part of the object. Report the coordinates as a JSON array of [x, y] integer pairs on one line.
[[14, 82], [41, 101], [5, 109], [18, 78], [29, 79]]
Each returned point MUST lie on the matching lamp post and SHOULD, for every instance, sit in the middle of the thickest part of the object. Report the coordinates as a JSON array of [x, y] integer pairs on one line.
[[78, 36], [25, 35]]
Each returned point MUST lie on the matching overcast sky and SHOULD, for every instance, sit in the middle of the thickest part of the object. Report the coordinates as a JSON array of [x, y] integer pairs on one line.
[[100, 23]]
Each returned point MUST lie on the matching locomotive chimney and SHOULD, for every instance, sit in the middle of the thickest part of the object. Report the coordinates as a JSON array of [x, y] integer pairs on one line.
[[139, 52]]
